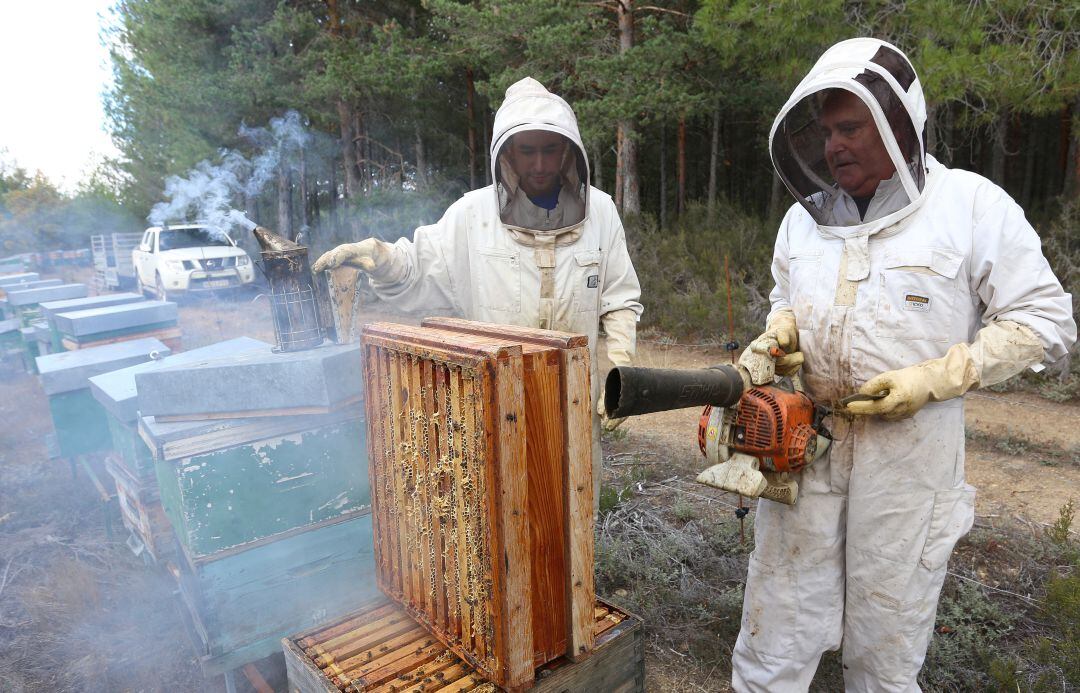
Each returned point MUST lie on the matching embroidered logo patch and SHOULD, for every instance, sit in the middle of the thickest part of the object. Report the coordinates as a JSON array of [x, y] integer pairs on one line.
[[593, 281], [917, 302]]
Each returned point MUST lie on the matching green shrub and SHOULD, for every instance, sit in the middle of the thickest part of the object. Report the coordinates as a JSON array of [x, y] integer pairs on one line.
[[683, 280]]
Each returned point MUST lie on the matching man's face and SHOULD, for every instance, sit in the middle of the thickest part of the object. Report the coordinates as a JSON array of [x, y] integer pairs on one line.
[[535, 156], [854, 150]]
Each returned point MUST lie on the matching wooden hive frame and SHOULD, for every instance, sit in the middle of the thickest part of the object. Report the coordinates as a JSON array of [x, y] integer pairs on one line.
[[380, 649], [478, 532]]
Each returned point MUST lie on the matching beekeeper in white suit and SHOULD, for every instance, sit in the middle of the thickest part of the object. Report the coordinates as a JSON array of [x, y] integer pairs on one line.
[[538, 248], [897, 275]]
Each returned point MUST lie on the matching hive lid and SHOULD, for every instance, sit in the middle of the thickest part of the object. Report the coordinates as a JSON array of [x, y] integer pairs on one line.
[[80, 323], [71, 370], [257, 383], [40, 294], [118, 393]]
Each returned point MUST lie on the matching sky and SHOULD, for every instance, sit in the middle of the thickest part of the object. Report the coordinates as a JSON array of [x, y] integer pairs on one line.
[[53, 71]]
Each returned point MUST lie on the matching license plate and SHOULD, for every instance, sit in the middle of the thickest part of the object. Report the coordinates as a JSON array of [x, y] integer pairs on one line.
[[216, 283]]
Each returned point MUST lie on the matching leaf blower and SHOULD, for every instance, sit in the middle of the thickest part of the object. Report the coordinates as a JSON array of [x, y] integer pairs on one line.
[[756, 436]]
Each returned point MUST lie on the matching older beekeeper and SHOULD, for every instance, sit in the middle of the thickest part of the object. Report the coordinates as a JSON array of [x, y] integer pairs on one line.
[[907, 283]]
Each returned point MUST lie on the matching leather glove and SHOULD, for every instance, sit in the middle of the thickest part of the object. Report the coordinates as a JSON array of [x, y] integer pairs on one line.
[[1000, 350], [370, 255], [780, 332], [621, 328]]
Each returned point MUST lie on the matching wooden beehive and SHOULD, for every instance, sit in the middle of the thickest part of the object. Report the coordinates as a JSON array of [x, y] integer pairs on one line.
[[380, 648], [481, 476]]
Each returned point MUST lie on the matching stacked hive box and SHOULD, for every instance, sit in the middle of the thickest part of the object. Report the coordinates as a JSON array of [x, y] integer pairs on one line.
[[80, 422], [26, 301], [131, 463], [482, 488], [26, 306], [261, 470], [51, 309], [116, 323]]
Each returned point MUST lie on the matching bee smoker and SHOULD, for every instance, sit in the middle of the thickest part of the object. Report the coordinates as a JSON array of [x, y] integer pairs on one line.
[[298, 304]]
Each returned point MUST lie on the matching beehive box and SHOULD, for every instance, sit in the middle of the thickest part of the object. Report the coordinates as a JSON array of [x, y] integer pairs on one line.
[[80, 422], [118, 393], [229, 482], [380, 648], [50, 309], [27, 301], [141, 512], [81, 329], [482, 490], [241, 602]]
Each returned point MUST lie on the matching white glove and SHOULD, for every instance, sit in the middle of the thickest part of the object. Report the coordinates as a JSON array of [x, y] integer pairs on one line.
[[621, 328], [371, 255], [1000, 350], [780, 333]]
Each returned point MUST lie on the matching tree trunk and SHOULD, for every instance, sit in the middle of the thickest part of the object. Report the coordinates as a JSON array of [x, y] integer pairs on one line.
[[998, 146], [663, 176], [1071, 185], [598, 167], [631, 193], [714, 161], [1033, 149], [776, 196], [618, 166], [421, 159], [470, 96], [485, 143], [680, 159], [304, 216], [284, 202], [348, 149]]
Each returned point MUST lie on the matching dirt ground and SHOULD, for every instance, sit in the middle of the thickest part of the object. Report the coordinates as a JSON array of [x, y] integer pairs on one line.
[[80, 612]]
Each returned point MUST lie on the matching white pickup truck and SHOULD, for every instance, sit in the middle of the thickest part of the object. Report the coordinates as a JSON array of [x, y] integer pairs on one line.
[[189, 257]]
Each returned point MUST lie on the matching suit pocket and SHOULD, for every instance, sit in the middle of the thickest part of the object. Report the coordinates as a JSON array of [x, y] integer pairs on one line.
[[953, 515], [917, 288], [586, 281], [498, 280]]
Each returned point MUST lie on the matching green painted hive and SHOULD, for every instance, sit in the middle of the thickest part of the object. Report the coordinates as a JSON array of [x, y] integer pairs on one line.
[[229, 482], [80, 422], [242, 602]]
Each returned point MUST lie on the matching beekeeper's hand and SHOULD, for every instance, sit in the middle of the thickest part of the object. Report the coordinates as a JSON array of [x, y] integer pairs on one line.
[[621, 329], [371, 255], [1000, 350], [759, 359]]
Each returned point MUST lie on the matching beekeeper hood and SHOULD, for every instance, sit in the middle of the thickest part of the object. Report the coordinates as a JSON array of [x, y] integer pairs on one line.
[[883, 79], [529, 106]]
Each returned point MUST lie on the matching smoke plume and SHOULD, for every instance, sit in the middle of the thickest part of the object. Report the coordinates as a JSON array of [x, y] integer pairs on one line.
[[214, 193]]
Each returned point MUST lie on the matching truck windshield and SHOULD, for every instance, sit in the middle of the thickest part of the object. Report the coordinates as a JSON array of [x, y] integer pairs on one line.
[[172, 239]]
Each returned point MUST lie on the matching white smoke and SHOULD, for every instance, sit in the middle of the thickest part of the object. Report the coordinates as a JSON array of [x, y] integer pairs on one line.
[[212, 193]]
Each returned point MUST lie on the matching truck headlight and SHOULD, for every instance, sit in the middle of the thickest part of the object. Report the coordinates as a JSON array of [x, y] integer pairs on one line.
[[174, 265], [243, 261]]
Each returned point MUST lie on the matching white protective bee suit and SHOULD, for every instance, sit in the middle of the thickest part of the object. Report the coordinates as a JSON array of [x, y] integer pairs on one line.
[[496, 257], [941, 257]]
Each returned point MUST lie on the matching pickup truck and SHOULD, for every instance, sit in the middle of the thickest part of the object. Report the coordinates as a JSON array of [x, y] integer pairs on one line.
[[189, 258]]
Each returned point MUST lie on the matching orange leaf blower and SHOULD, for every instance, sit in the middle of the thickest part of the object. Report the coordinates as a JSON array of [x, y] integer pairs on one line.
[[756, 437]]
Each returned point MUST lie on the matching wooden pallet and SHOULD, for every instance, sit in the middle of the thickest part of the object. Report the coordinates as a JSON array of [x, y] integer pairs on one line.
[[380, 648], [480, 463]]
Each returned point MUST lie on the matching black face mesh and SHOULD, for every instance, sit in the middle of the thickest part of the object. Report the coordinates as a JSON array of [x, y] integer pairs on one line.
[[896, 65], [798, 147]]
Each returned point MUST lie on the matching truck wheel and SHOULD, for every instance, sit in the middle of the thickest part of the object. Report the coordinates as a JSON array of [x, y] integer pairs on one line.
[[162, 296], [143, 291]]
